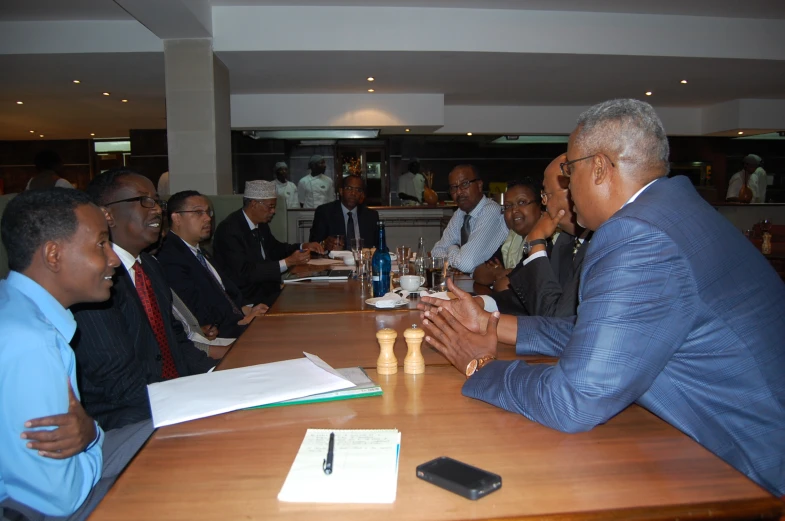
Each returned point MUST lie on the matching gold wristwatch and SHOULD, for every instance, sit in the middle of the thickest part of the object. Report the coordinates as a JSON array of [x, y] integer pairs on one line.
[[477, 364]]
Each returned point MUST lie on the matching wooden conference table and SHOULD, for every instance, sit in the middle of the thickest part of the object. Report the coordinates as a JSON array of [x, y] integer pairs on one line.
[[232, 466]]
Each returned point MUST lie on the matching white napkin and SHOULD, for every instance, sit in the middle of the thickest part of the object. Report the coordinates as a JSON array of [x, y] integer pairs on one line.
[[442, 294], [346, 256], [390, 300]]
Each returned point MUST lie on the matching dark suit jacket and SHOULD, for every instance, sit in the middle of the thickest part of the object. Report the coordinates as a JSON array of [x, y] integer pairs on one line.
[[199, 289], [117, 353], [547, 286], [328, 220], [237, 253]]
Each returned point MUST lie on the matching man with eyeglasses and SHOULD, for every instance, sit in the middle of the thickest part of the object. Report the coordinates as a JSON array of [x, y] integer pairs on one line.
[[132, 339], [658, 323], [476, 229], [546, 283], [248, 253], [207, 292], [347, 217]]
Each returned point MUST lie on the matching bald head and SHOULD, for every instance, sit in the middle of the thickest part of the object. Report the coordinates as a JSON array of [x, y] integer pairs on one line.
[[557, 196]]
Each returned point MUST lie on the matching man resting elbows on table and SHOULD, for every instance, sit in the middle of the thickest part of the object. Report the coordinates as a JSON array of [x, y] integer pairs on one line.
[[678, 312]]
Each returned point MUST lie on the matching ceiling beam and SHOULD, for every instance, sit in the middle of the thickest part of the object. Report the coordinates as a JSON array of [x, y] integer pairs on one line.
[[172, 19]]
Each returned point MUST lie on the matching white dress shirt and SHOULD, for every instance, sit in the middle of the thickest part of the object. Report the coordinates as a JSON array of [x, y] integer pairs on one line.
[[346, 213], [315, 191], [757, 183], [128, 261], [487, 232]]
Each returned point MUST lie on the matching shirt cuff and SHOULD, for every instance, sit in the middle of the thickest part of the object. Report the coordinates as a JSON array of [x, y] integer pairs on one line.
[[535, 255], [282, 264], [490, 304], [98, 434]]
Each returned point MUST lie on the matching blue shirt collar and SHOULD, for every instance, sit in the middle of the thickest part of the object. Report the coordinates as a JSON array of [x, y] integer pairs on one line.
[[61, 318]]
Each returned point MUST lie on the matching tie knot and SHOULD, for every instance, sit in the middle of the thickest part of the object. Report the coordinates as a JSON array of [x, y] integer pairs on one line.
[[137, 267]]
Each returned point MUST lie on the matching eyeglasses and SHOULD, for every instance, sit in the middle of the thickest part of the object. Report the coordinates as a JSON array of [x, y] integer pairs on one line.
[[519, 204], [547, 195], [565, 167], [462, 186], [266, 205], [358, 189], [199, 213], [145, 200]]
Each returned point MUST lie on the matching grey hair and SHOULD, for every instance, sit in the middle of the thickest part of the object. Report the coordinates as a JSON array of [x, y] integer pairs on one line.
[[630, 130]]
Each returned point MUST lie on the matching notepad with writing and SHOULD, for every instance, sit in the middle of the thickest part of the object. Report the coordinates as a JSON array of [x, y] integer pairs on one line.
[[365, 468]]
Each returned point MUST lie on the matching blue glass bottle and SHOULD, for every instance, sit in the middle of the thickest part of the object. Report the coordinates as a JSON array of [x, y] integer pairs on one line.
[[381, 265]]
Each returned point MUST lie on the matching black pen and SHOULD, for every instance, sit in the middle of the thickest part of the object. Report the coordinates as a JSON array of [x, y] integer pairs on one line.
[[327, 465]]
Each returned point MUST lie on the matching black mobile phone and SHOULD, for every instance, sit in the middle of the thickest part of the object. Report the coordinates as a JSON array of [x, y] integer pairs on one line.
[[455, 476]]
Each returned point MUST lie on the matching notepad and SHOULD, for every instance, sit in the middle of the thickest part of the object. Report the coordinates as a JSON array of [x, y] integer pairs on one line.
[[365, 468], [332, 274]]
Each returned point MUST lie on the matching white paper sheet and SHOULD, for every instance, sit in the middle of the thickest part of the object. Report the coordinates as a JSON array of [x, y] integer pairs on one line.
[[365, 468], [199, 396]]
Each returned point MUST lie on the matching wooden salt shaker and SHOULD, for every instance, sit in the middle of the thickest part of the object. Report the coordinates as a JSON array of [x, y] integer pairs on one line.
[[386, 363], [414, 363]]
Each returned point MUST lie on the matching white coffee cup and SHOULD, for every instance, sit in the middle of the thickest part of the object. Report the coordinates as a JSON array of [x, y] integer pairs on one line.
[[412, 282]]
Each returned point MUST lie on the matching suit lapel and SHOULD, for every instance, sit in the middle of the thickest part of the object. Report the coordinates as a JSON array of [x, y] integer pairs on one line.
[[129, 304]]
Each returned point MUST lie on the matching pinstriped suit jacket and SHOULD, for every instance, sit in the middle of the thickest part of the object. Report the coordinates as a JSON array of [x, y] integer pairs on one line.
[[117, 354], [679, 313]]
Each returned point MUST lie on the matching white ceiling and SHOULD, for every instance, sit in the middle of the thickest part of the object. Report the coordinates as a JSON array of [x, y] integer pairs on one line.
[[508, 78], [723, 8], [40, 10], [57, 108]]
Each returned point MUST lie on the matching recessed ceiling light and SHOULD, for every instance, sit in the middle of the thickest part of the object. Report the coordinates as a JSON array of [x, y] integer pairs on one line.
[[124, 100], [684, 81], [648, 93], [40, 135], [407, 130], [105, 93], [371, 90], [20, 102], [92, 133], [468, 133], [741, 132], [371, 78], [32, 131], [77, 81]]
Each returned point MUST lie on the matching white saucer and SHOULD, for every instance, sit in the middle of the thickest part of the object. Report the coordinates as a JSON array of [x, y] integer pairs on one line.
[[396, 290]]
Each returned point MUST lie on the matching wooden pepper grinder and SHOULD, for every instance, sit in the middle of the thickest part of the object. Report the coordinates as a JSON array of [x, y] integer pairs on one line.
[[765, 247], [414, 363], [386, 363]]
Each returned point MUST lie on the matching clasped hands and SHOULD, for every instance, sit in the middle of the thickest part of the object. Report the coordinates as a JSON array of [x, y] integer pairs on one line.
[[459, 329], [75, 430]]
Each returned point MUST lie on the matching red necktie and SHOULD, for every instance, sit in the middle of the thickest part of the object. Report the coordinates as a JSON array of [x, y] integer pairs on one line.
[[146, 294]]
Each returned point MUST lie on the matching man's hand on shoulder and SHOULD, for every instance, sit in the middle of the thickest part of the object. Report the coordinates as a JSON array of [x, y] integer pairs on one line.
[[75, 431]]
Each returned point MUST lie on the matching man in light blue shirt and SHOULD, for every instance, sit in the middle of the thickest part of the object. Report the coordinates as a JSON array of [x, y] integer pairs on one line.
[[59, 255], [476, 229]]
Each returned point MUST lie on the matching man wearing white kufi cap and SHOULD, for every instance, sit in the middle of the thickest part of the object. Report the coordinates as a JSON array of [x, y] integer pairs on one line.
[[244, 246], [284, 187], [755, 177], [315, 189]]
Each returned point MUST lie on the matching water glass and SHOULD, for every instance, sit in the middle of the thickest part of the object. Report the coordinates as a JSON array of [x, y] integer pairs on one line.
[[439, 279], [356, 246], [403, 253]]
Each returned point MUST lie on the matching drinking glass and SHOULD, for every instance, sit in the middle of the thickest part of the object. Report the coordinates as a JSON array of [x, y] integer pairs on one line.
[[439, 279], [338, 242], [403, 253]]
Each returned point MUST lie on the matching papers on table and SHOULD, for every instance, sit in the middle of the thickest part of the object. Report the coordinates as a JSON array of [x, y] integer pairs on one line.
[[364, 388], [203, 395], [365, 468]]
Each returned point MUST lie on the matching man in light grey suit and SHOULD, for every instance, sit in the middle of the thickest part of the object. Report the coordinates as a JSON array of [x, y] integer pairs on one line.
[[678, 312]]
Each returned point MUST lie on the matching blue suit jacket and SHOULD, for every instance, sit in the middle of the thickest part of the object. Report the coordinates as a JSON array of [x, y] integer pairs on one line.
[[679, 313]]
